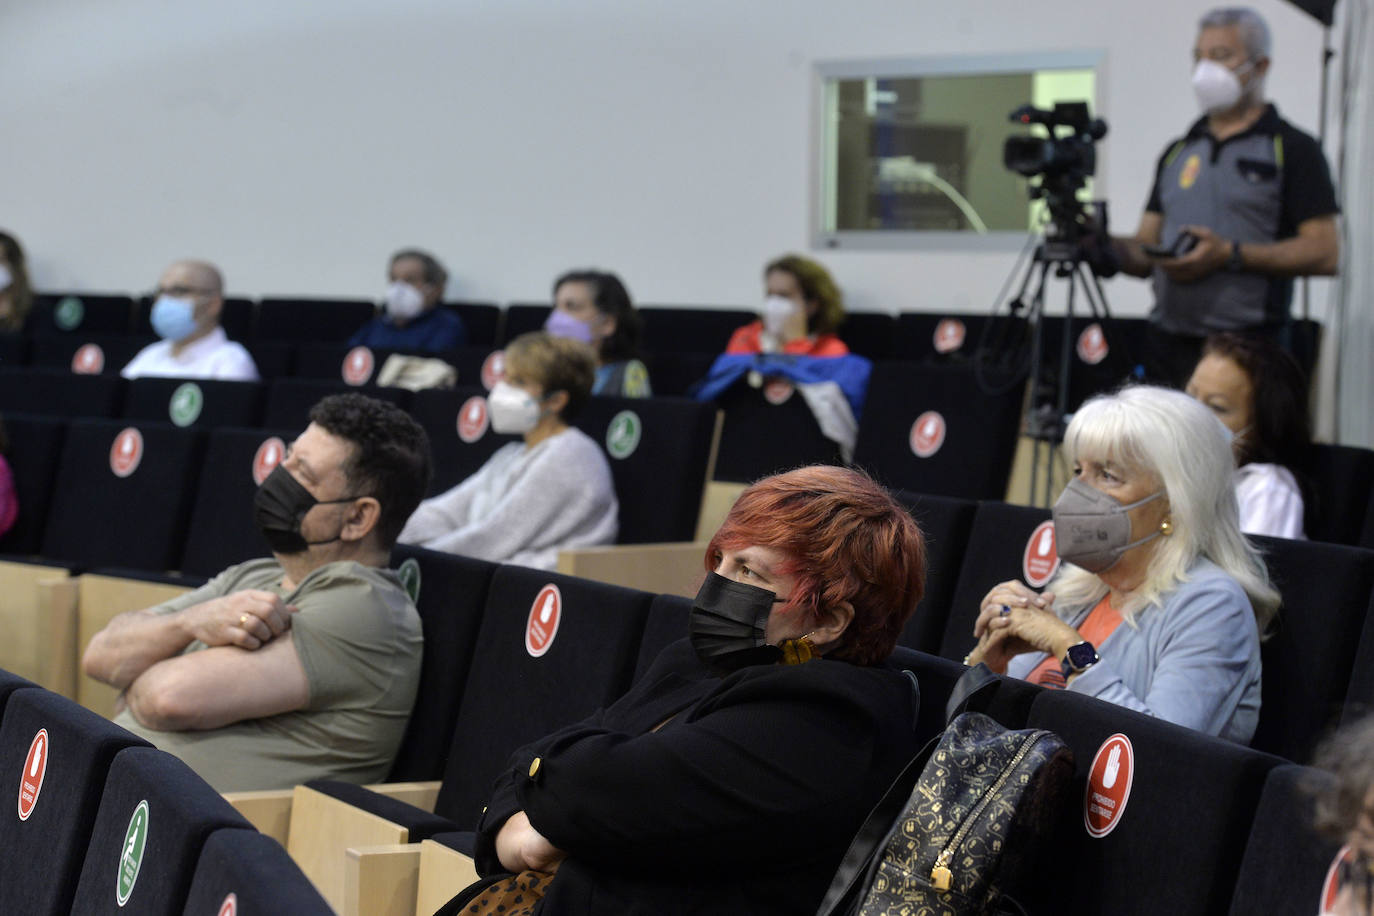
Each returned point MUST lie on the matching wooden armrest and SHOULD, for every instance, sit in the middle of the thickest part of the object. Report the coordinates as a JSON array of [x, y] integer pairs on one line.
[[421, 795], [322, 829], [33, 642], [269, 811], [443, 873], [381, 880], [673, 569]]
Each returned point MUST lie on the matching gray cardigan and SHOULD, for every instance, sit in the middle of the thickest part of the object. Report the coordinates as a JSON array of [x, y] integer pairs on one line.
[[1194, 661]]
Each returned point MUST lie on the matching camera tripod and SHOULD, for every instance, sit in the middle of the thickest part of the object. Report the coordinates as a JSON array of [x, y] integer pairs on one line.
[[1046, 416]]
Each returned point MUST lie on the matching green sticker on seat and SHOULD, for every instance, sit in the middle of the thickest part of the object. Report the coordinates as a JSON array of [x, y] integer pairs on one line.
[[409, 574], [69, 313], [622, 436], [131, 858], [186, 404]]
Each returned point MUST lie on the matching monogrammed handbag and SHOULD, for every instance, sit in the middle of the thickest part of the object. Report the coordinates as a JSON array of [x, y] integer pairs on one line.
[[950, 844]]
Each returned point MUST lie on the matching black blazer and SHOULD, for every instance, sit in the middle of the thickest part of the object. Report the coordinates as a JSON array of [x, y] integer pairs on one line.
[[744, 800]]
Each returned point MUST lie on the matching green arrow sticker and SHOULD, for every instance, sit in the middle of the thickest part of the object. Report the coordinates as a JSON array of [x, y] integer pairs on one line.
[[131, 858], [409, 574], [186, 404], [622, 436], [69, 313]]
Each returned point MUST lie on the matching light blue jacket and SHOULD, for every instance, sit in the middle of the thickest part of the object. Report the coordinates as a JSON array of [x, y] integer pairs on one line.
[[1194, 661]]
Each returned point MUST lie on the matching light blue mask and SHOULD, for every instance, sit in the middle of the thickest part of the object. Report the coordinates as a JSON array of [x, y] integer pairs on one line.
[[173, 319]]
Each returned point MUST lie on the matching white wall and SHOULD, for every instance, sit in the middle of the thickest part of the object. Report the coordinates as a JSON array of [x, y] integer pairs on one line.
[[298, 143]]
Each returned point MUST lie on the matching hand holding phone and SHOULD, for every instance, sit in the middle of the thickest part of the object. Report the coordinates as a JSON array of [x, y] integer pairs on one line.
[[1181, 246]]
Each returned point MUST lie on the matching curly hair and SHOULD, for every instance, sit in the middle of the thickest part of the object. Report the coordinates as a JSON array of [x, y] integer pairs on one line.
[[391, 459], [817, 286], [847, 540], [1348, 755]]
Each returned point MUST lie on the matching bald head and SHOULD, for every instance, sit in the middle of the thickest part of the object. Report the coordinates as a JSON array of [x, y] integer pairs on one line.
[[200, 283]]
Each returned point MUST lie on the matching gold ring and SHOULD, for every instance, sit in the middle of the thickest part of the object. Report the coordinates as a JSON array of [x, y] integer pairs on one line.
[[243, 619]]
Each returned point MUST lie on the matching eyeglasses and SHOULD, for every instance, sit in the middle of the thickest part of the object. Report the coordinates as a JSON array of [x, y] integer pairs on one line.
[[180, 292]]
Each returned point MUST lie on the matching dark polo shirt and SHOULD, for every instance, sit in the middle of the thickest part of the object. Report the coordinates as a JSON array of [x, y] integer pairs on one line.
[[1256, 187]]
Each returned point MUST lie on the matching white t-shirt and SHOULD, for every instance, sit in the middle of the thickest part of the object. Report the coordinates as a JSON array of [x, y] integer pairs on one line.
[[214, 356], [1270, 501]]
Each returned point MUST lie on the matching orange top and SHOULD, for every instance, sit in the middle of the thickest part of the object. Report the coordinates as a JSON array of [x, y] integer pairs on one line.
[[746, 340], [1102, 622]]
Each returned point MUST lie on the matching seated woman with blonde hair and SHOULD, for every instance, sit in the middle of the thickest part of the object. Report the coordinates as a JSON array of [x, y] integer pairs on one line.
[[1160, 602], [551, 491]]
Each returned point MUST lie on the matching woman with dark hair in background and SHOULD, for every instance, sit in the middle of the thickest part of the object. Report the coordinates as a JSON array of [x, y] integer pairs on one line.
[[594, 307], [802, 310], [1258, 391], [16, 298]]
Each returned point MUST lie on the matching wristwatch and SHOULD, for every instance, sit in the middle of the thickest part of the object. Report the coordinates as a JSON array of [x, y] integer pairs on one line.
[[1078, 659], [1234, 263]]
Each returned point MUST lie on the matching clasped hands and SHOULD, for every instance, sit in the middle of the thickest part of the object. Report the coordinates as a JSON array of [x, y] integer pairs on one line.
[[248, 619], [1014, 619]]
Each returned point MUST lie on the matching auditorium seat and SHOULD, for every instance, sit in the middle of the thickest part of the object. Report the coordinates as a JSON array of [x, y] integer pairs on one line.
[[1005, 699], [659, 451], [14, 349], [256, 872], [1342, 478], [1310, 655], [55, 756], [945, 523], [762, 436], [289, 399], [221, 530], [154, 818], [194, 402], [667, 623], [79, 313], [86, 353], [123, 494], [302, 320], [354, 365], [1171, 812], [674, 374], [1359, 696], [870, 334], [35, 443], [1100, 359], [450, 592], [933, 430], [236, 317], [689, 329], [523, 317], [481, 320], [949, 337], [1286, 859], [460, 435], [9, 683], [274, 358], [59, 392], [999, 548]]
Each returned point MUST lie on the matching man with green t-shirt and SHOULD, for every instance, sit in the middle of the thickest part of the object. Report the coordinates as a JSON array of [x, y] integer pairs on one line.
[[305, 665]]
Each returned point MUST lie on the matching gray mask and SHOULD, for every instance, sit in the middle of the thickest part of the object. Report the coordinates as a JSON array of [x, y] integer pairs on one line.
[[1091, 529]]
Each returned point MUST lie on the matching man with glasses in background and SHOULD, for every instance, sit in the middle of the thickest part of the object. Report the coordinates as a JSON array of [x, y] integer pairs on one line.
[[186, 311]]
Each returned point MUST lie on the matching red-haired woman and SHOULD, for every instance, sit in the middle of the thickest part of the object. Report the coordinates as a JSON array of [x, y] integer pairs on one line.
[[733, 776]]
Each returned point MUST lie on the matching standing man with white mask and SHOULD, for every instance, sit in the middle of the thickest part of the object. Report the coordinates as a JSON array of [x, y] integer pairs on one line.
[[411, 319], [1253, 195], [186, 311]]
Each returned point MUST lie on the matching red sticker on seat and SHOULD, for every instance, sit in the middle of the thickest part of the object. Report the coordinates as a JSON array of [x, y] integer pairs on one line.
[[949, 335], [473, 419], [545, 615], [358, 365], [1331, 887], [88, 359], [493, 368], [1041, 558], [126, 452], [1092, 344], [777, 391], [927, 434], [230, 906], [31, 779], [269, 455], [1109, 786]]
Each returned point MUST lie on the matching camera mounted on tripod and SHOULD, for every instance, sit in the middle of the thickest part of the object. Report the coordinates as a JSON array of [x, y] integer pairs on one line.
[[1063, 161]]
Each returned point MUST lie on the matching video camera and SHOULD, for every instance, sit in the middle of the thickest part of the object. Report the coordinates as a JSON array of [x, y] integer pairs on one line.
[[1063, 162]]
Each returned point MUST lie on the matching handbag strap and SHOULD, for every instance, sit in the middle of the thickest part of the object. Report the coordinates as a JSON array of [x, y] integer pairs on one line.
[[972, 692], [876, 827]]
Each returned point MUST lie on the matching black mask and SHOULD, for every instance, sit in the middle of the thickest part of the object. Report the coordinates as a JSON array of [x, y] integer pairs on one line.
[[727, 624], [278, 508]]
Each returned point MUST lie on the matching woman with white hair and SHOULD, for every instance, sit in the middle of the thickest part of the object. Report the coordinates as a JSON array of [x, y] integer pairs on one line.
[[1160, 602]]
